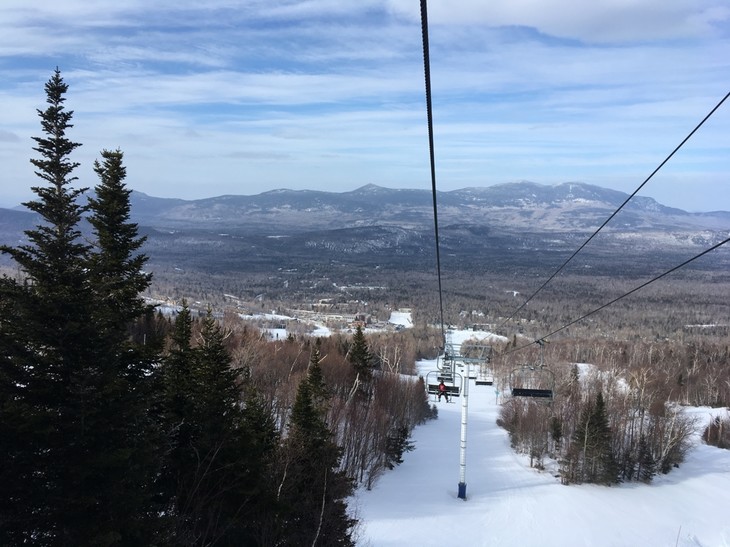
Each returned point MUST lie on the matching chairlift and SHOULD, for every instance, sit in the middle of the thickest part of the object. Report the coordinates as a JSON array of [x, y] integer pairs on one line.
[[453, 383], [536, 381], [479, 356], [446, 374], [485, 376]]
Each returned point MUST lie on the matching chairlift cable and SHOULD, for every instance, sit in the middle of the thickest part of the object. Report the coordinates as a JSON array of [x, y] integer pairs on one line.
[[465, 381], [707, 117], [632, 291], [429, 113]]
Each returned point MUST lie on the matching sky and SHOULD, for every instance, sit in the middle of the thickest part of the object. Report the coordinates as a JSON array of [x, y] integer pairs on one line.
[[509, 504], [246, 96]]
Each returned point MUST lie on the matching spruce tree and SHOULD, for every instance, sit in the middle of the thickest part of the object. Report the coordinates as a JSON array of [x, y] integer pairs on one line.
[[397, 443], [315, 376], [646, 462], [59, 345], [313, 491], [218, 396], [177, 412], [362, 362], [71, 475], [607, 467], [222, 444], [261, 453], [177, 369], [53, 260], [18, 419], [592, 441], [131, 432], [118, 265]]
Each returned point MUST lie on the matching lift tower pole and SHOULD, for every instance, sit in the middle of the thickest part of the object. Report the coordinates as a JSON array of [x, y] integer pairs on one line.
[[468, 355], [462, 445]]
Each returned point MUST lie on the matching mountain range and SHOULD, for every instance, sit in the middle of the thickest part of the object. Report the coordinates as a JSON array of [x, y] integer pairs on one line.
[[499, 226], [523, 204]]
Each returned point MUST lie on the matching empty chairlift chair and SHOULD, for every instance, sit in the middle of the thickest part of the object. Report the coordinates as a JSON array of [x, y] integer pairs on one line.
[[478, 356], [485, 377], [534, 381]]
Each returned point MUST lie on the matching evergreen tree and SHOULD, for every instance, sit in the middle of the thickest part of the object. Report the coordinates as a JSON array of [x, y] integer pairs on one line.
[[313, 492], [71, 474], [556, 431], [118, 265], [362, 362], [54, 259], [177, 369], [18, 419], [217, 397], [131, 430], [397, 443], [59, 347], [646, 462], [177, 412], [223, 443], [316, 378], [593, 443], [261, 452]]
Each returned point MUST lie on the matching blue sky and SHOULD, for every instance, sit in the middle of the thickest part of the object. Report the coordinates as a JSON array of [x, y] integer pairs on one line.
[[240, 97]]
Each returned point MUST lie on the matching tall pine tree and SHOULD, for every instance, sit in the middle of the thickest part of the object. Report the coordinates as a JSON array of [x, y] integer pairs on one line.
[[118, 265], [57, 395], [315, 376], [313, 491], [177, 411], [592, 444], [72, 474], [222, 444], [362, 363], [130, 438]]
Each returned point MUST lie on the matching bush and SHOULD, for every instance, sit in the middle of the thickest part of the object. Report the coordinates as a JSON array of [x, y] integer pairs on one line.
[[717, 433]]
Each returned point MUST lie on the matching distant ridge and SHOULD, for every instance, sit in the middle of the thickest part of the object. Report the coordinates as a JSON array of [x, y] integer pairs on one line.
[[563, 206], [506, 226]]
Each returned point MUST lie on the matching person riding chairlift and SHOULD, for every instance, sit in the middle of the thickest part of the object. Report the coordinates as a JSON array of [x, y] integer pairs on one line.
[[443, 391]]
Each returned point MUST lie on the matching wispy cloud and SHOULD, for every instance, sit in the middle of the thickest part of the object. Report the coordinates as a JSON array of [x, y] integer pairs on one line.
[[597, 21], [230, 96]]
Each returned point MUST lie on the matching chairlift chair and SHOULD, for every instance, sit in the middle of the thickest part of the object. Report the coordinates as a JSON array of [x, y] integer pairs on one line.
[[485, 377], [479, 356], [536, 381], [453, 382]]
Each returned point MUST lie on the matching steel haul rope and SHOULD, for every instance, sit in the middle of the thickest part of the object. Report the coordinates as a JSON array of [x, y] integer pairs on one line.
[[429, 112]]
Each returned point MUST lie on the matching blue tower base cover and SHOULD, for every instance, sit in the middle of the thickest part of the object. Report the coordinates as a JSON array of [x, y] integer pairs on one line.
[[462, 490]]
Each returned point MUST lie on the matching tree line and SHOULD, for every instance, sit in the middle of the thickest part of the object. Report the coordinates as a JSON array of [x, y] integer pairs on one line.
[[123, 427], [621, 417]]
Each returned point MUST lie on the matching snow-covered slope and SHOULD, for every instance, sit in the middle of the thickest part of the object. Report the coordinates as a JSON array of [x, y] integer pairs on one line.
[[510, 504]]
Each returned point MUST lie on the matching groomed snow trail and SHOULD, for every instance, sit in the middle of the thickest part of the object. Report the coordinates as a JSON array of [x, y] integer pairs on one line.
[[509, 504]]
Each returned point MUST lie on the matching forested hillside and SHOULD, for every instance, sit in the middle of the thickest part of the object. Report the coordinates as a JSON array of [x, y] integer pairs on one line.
[[124, 427]]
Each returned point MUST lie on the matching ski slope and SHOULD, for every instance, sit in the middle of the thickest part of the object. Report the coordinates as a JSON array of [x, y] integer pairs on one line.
[[510, 504]]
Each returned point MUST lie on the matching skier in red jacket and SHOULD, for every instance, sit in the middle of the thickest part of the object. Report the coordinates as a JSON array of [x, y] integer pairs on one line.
[[443, 391]]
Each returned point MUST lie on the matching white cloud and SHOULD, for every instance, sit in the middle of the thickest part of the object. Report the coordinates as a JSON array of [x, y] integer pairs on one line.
[[591, 22], [329, 94]]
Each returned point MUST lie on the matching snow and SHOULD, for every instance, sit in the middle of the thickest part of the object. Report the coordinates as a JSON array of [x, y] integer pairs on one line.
[[321, 330], [276, 334], [266, 316], [510, 504], [402, 318]]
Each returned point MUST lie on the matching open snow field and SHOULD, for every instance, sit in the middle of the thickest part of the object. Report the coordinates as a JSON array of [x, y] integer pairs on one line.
[[510, 504]]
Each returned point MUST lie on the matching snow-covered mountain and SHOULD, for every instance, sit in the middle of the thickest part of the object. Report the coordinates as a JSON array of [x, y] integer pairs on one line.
[[524, 204], [502, 226]]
